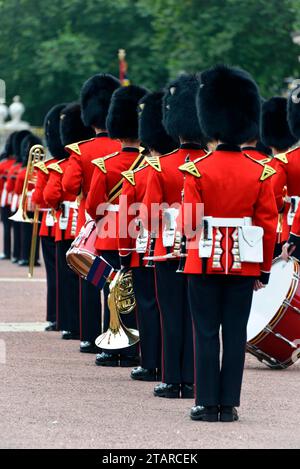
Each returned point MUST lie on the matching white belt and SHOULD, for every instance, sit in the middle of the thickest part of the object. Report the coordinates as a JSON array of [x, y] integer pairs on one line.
[[229, 222], [70, 204], [112, 208]]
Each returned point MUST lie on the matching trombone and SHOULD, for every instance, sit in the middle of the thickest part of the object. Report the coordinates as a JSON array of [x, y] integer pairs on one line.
[[37, 154]]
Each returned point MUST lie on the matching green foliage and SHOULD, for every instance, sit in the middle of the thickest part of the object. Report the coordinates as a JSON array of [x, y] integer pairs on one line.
[[47, 49]]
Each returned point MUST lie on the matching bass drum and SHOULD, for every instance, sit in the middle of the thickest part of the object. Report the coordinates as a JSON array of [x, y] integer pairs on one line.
[[274, 325], [82, 253]]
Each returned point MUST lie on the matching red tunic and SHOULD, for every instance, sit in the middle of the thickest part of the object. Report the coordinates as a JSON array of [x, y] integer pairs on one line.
[[257, 155], [230, 185], [78, 175], [54, 195], [165, 185], [11, 177], [38, 196], [295, 230], [106, 188], [287, 174], [4, 169], [286, 184], [133, 192]]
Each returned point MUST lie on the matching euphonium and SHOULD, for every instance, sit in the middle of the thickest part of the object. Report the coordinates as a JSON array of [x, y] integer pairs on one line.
[[120, 301], [125, 299], [36, 154]]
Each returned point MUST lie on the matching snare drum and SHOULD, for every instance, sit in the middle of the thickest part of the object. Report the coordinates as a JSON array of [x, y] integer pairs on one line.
[[274, 324], [82, 253]]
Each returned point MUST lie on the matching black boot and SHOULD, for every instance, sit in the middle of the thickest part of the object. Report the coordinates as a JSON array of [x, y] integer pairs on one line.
[[228, 414], [69, 335], [128, 360], [88, 347], [171, 391], [23, 262], [107, 359], [143, 374], [205, 413], [187, 391], [52, 326]]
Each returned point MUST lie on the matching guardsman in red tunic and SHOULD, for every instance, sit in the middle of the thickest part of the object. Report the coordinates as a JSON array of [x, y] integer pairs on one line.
[[10, 187], [26, 228], [133, 249], [95, 98], [223, 265], [102, 203], [47, 227], [164, 186], [277, 135], [7, 161], [66, 206], [292, 172]]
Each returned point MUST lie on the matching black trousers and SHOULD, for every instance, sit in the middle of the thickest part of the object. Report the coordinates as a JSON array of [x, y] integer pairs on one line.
[[177, 334], [49, 254], [26, 236], [277, 249], [148, 317], [5, 214], [90, 312], [220, 301], [68, 291], [16, 252], [129, 320]]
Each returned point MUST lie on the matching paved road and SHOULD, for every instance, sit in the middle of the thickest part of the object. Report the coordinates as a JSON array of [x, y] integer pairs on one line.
[[51, 396]]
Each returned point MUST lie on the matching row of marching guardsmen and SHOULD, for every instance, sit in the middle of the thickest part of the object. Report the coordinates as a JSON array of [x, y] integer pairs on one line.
[[207, 139], [13, 165]]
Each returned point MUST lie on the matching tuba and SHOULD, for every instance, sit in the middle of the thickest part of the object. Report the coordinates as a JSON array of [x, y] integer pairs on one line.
[[36, 154], [120, 301]]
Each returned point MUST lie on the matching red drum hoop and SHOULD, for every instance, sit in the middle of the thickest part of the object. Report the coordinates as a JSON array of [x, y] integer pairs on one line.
[[82, 253], [274, 323]]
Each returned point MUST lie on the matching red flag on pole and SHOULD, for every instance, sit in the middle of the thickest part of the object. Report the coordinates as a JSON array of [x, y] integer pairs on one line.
[[123, 67]]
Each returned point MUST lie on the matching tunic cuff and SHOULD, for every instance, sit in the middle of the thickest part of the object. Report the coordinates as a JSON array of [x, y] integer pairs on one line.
[[294, 239], [264, 277]]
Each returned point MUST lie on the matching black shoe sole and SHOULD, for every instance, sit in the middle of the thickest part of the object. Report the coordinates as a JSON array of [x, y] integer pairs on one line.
[[144, 378], [206, 418], [71, 338], [187, 395], [128, 363], [88, 350], [228, 418], [112, 364], [173, 395]]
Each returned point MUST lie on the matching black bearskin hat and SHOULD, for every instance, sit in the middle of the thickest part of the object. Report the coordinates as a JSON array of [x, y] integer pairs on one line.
[[26, 144], [122, 117], [229, 105], [293, 112], [151, 130], [179, 109], [52, 132], [17, 142], [8, 147], [95, 99], [263, 148], [72, 129], [275, 130]]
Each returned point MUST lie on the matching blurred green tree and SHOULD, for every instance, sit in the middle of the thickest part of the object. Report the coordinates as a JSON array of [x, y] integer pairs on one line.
[[253, 34], [47, 49]]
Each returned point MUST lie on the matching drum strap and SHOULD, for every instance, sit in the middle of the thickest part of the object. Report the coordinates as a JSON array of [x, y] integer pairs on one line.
[[117, 189]]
